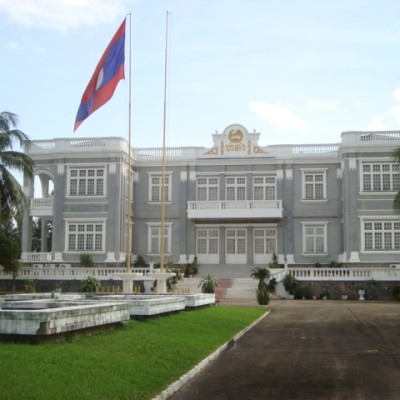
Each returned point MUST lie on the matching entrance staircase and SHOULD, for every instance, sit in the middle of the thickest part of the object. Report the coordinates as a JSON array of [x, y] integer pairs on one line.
[[228, 289], [234, 281]]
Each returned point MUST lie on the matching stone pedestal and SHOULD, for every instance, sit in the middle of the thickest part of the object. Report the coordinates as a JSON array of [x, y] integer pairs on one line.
[[161, 280], [129, 277]]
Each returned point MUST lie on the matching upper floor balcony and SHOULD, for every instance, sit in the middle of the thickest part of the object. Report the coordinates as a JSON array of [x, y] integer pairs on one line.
[[238, 209], [41, 207]]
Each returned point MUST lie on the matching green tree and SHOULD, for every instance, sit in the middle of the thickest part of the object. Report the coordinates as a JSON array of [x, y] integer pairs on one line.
[[12, 198], [10, 250], [261, 274]]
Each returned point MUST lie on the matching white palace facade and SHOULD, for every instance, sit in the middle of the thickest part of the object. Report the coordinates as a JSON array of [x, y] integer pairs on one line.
[[234, 203]]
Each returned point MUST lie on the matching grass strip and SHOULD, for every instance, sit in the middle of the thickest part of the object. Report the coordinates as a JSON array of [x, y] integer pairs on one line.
[[136, 362]]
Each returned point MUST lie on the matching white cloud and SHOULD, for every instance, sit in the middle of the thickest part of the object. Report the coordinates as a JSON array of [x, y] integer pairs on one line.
[[63, 14], [396, 94], [281, 117], [390, 119], [12, 45], [314, 105]]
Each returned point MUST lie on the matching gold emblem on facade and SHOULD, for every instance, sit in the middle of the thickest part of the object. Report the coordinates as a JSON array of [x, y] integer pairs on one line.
[[235, 135]]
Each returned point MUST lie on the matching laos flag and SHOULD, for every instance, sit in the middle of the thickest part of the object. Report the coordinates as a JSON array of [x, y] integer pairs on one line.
[[109, 71]]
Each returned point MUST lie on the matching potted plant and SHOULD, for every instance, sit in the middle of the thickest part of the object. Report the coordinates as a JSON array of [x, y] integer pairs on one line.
[[90, 284], [324, 295], [208, 284], [262, 293]]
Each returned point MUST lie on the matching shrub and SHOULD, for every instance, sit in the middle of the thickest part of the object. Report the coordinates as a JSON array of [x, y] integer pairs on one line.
[[271, 285], [396, 292], [86, 260], [30, 286], [324, 294], [263, 296], [140, 263], [302, 293], [208, 284], [90, 284], [261, 274], [171, 282], [290, 283], [335, 264], [191, 268]]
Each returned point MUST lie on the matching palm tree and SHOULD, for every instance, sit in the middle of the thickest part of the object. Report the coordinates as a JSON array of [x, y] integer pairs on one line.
[[261, 274], [12, 198]]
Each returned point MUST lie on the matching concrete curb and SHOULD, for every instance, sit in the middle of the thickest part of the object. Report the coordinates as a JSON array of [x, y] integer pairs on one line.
[[175, 386]]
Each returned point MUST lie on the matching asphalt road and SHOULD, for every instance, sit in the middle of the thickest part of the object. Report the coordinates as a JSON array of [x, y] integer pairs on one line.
[[309, 350]]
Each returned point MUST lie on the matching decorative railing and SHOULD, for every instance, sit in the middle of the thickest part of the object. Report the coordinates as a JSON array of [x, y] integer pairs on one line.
[[314, 149], [36, 257], [366, 138], [157, 152], [78, 145], [41, 202], [66, 272], [345, 274], [235, 209], [235, 205]]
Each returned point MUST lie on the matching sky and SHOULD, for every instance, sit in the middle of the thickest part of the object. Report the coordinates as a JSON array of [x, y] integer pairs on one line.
[[298, 72]]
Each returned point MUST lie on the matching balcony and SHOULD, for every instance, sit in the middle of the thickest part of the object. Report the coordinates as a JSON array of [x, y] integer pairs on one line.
[[246, 209], [41, 207]]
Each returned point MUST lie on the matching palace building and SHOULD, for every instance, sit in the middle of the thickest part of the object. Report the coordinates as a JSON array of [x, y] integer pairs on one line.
[[234, 203]]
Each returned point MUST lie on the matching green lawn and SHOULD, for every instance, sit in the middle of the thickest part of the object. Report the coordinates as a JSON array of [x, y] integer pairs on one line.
[[134, 362]]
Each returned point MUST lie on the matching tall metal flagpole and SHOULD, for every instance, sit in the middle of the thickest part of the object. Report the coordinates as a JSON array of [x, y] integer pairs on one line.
[[162, 235], [129, 188]]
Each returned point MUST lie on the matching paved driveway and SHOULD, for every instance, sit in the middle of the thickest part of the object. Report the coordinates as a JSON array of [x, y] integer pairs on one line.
[[310, 350]]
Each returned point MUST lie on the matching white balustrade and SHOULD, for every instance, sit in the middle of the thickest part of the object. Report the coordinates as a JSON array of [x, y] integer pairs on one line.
[[41, 202], [66, 272], [345, 274]]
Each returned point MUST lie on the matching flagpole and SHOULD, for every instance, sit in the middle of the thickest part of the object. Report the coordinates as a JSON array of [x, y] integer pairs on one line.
[[162, 237], [129, 188]]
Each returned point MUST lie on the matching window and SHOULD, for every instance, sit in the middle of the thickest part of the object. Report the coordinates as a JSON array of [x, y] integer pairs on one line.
[[85, 236], [236, 188], [315, 238], [380, 177], [264, 188], [381, 235], [207, 241], [314, 185], [155, 188], [207, 188], [154, 239], [86, 182], [236, 241], [264, 241]]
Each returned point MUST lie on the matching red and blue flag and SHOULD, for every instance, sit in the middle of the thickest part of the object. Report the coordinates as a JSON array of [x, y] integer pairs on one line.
[[109, 71]]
